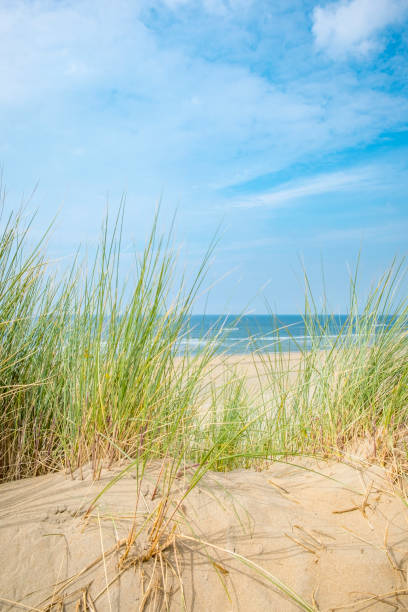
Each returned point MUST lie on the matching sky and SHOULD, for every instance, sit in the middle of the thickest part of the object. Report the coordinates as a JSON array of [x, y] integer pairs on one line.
[[280, 124]]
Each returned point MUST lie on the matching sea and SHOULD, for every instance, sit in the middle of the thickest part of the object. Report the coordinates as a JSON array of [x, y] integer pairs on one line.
[[235, 334]]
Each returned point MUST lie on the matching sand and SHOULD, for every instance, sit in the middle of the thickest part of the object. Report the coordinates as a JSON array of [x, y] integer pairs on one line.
[[332, 532], [260, 373]]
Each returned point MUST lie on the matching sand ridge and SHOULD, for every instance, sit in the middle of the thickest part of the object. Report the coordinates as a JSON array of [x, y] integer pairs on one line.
[[333, 533]]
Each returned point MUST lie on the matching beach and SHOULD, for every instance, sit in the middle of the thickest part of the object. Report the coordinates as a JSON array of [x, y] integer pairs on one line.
[[333, 533]]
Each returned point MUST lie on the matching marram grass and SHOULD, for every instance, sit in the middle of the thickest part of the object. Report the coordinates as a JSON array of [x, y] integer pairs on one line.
[[91, 369], [89, 366]]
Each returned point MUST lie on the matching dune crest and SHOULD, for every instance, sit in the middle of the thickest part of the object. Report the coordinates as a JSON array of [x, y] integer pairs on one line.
[[333, 533]]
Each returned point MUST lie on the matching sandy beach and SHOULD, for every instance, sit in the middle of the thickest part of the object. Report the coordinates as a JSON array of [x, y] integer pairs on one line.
[[334, 534]]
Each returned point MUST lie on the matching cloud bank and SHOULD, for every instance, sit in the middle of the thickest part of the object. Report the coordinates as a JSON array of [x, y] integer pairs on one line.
[[355, 27]]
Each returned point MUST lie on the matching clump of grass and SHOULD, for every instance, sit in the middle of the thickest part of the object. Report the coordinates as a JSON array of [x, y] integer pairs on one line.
[[348, 386], [93, 369], [91, 366]]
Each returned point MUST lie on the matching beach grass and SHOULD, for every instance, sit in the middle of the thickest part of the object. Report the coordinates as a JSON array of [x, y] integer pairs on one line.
[[88, 364], [93, 369]]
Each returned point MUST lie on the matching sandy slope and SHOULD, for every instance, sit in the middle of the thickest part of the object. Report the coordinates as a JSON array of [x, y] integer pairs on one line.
[[281, 518]]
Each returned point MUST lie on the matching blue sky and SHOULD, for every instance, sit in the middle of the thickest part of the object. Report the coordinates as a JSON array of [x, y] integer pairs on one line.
[[284, 121]]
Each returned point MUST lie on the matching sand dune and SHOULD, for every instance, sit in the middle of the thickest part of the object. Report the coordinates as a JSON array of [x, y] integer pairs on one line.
[[335, 535]]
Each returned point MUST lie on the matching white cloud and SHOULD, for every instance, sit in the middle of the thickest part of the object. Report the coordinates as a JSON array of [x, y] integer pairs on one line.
[[355, 26], [323, 183]]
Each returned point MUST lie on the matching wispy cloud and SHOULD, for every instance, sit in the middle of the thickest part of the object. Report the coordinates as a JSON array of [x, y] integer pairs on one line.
[[331, 182], [354, 26]]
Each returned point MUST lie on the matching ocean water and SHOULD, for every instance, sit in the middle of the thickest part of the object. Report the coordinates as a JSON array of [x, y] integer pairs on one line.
[[269, 333]]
